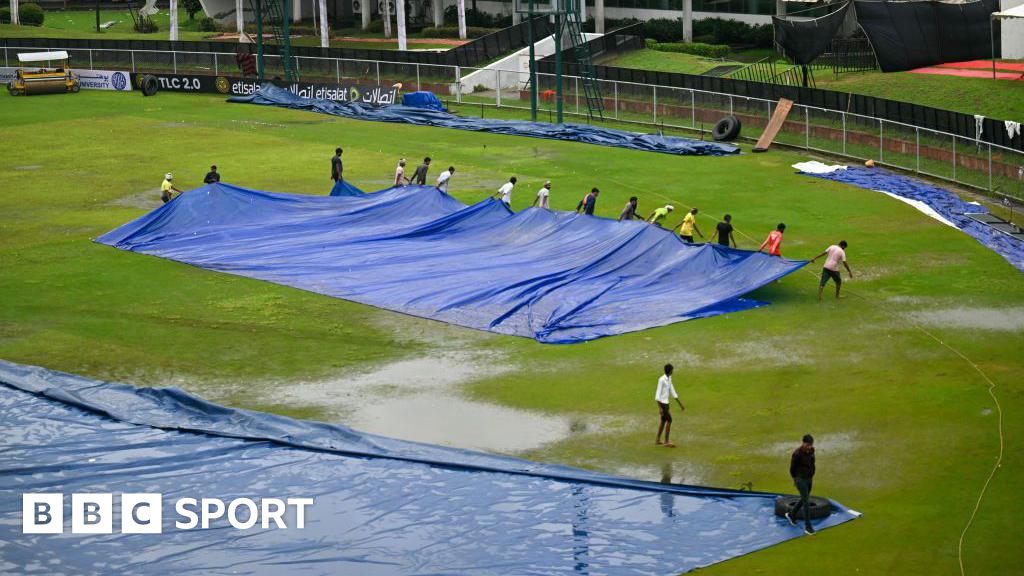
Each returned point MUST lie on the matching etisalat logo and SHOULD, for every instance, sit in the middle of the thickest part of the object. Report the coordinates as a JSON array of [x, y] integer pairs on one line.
[[94, 513]]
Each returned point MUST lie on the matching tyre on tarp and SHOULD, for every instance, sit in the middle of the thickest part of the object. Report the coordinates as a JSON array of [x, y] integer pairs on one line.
[[820, 507], [150, 85], [727, 129]]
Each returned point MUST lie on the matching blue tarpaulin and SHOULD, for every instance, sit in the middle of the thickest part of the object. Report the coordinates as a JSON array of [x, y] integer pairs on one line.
[[271, 95], [553, 276], [945, 203], [345, 188], [422, 99], [380, 506]]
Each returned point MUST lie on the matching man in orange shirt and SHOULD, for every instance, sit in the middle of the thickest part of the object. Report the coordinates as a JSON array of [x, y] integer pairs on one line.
[[774, 241]]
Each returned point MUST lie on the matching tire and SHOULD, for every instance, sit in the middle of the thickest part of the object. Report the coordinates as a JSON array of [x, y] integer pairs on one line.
[[150, 85], [727, 129], [820, 507], [75, 88]]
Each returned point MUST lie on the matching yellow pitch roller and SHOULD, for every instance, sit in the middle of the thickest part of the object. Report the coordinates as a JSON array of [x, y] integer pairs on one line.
[[32, 79]]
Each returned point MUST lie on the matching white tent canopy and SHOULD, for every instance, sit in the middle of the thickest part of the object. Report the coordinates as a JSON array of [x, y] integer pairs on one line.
[[1016, 12], [42, 56]]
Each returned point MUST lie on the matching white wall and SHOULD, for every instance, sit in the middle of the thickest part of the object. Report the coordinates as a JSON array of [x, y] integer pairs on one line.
[[515, 69], [1013, 32]]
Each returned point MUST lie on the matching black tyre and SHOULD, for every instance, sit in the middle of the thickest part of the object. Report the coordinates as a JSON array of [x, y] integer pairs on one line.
[[727, 129], [820, 507], [75, 87], [150, 85]]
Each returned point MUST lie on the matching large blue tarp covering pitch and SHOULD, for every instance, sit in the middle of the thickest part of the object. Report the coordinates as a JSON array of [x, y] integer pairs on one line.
[[380, 506], [271, 95], [554, 276], [945, 203]]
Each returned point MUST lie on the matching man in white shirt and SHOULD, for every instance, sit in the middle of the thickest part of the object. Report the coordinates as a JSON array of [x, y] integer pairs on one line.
[[834, 256], [442, 180], [400, 174], [542, 195], [665, 392], [505, 192]]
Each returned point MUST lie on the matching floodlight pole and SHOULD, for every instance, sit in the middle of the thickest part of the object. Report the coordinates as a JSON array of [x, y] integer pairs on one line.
[[259, 39], [992, 43], [558, 65], [533, 62]]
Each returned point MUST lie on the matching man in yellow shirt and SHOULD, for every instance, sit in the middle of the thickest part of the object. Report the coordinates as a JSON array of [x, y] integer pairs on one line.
[[167, 189], [689, 226], [659, 214]]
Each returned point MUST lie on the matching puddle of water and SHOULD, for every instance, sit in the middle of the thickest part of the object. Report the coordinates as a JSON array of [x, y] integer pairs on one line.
[[831, 444], [666, 473], [419, 400], [147, 199], [999, 319]]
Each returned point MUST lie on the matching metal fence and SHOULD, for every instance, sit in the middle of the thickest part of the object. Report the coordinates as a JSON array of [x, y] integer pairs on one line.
[[939, 154]]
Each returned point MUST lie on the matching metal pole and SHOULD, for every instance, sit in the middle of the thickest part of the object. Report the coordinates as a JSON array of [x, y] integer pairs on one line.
[[418, 87], [954, 158], [458, 85], [807, 128], [992, 44], [576, 80], [990, 166], [97, 15], [337, 72], [654, 91], [917, 132], [174, 61], [91, 67], [558, 66], [497, 73], [881, 141], [259, 39], [533, 63], [844, 132], [132, 53], [616, 85], [377, 64], [693, 109], [215, 68]]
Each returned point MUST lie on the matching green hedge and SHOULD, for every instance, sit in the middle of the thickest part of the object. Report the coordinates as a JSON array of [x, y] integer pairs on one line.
[[207, 24], [696, 48], [31, 15], [453, 32], [711, 31], [5, 15]]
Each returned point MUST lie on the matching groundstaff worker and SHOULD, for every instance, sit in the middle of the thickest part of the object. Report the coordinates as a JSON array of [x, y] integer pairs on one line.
[[801, 468], [834, 255], [212, 177], [167, 189], [444, 178], [420, 175], [665, 392], [336, 166]]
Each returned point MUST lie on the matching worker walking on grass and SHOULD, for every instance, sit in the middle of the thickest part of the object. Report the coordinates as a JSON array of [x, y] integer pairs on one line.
[[724, 232], [774, 241], [835, 254], [660, 214], [665, 392], [444, 178], [505, 192], [336, 166], [629, 211], [167, 189], [212, 177], [689, 225], [400, 179], [420, 175], [543, 195], [588, 203], [801, 468]]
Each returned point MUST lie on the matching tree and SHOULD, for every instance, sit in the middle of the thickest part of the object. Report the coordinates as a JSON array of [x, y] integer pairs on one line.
[[193, 7]]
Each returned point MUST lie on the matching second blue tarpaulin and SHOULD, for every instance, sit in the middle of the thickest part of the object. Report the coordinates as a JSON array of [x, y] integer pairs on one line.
[[423, 99], [943, 202], [270, 95], [376, 505], [557, 277]]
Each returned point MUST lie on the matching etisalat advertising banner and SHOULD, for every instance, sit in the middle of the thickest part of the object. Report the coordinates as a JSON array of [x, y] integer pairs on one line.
[[372, 95]]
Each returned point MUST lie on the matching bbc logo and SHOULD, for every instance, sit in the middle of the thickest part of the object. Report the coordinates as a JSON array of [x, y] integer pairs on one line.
[[91, 513]]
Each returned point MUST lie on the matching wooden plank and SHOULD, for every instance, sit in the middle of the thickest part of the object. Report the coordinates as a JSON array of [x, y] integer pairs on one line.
[[774, 125]]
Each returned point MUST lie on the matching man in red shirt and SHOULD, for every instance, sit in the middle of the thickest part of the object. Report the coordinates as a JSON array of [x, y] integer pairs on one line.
[[774, 241]]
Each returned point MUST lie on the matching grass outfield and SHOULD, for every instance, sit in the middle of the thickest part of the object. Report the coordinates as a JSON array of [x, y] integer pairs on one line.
[[1003, 99], [907, 433]]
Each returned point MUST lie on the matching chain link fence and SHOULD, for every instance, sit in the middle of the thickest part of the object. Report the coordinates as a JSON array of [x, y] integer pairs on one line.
[[969, 162]]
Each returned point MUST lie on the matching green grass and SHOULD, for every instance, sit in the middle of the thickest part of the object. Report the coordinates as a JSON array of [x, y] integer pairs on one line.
[[904, 425], [1002, 99]]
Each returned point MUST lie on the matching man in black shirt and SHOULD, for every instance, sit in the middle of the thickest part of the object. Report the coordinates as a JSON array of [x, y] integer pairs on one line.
[[212, 177], [588, 203], [629, 212], [336, 166], [801, 468], [724, 232], [420, 175]]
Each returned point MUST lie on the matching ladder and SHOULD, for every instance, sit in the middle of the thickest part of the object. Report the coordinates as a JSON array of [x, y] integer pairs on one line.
[[584, 63], [274, 13]]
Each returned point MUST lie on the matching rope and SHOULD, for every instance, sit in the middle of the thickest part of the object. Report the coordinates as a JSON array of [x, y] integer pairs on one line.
[[991, 385]]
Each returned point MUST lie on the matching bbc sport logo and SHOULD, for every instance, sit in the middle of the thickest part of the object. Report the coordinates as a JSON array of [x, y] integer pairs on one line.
[[142, 513]]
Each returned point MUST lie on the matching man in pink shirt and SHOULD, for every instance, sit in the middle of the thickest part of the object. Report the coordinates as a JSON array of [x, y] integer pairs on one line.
[[774, 241], [834, 255]]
